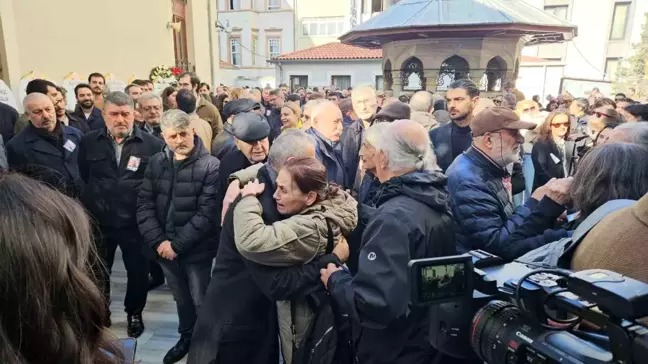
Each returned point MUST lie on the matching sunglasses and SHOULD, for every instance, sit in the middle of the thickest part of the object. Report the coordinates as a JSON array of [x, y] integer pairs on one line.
[[558, 125], [601, 114]]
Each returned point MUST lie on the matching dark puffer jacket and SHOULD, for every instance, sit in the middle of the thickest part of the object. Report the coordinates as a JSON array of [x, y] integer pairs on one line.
[[484, 214], [191, 189], [411, 222]]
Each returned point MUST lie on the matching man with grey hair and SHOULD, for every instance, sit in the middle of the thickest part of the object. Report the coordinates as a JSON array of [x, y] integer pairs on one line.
[[411, 222], [635, 133], [240, 326], [326, 130], [422, 104], [177, 217], [112, 161], [150, 108]]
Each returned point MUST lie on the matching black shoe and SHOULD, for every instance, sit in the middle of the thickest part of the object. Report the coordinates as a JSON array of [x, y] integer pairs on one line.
[[178, 351], [155, 282], [135, 325]]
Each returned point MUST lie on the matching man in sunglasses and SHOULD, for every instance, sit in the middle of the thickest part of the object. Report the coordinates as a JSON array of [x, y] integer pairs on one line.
[[480, 190]]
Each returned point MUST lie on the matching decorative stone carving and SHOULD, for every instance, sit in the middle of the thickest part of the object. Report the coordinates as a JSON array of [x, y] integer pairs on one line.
[[412, 75]]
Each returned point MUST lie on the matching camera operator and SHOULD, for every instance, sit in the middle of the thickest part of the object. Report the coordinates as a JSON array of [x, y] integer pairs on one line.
[[480, 190], [411, 222]]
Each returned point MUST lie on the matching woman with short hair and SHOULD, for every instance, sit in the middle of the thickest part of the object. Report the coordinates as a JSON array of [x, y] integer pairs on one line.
[[52, 310], [291, 116]]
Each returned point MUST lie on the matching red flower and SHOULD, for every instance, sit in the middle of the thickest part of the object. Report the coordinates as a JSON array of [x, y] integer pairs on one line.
[[176, 71]]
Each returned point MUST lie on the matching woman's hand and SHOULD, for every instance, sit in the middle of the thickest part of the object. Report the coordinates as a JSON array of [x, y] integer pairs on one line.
[[341, 250], [253, 188]]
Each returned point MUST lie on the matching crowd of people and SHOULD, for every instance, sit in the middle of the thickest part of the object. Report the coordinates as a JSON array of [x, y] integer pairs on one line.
[[283, 220]]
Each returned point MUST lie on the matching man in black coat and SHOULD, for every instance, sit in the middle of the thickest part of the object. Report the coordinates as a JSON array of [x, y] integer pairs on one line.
[[177, 216], [276, 99], [150, 108], [8, 118], [224, 142], [237, 322], [67, 118], [250, 132], [112, 162], [411, 222], [86, 109], [46, 149]]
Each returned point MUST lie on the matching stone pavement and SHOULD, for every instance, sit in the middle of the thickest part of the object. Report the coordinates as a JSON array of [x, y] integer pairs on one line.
[[160, 318]]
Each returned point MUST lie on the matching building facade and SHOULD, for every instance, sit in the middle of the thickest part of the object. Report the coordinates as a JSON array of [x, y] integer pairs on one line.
[[52, 39], [250, 33], [331, 64]]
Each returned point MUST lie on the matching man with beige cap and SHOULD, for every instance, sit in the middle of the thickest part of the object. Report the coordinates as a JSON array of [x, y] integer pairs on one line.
[[479, 185]]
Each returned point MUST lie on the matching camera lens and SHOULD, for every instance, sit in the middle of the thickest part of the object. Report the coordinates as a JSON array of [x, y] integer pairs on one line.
[[495, 334]]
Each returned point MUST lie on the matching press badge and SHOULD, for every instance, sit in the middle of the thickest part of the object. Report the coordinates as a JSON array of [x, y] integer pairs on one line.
[[554, 158], [133, 164], [69, 146]]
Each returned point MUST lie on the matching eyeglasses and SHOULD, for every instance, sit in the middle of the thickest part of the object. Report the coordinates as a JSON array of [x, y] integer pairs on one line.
[[532, 108], [601, 114], [559, 125], [151, 108]]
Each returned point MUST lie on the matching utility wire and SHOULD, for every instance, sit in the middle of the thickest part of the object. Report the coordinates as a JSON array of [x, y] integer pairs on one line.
[[236, 39]]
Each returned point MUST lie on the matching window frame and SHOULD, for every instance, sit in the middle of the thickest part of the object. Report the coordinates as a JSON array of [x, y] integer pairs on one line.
[[608, 62], [315, 25], [275, 7], [349, 77], [254, 45], [549, 8], [235, 40], [624, 33], [268, 40], [231, 7]]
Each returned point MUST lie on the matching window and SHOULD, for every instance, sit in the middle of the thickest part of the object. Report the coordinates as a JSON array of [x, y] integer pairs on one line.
[[234, 4], [341, 82], [274, 4], [619, 20], [235, 51], [611, 67], [376, 6], [323, 27], [379, 82], [255, 50], [298, 81], [559, 11], [274, 47]]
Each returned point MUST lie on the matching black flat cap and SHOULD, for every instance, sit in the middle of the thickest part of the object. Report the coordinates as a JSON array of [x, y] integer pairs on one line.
[[238, 106], [250, 127]]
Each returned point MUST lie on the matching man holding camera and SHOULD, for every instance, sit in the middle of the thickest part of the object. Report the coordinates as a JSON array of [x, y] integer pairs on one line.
[[480, 189], [411, 222]]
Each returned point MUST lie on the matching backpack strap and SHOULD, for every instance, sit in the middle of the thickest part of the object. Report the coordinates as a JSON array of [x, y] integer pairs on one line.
[[330, 241], [588, 224]]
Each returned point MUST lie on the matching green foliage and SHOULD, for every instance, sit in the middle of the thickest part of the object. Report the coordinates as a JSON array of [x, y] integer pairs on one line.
[[632, 74]]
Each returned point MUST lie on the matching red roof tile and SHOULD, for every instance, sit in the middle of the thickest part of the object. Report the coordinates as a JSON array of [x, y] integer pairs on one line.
[[332, 51]]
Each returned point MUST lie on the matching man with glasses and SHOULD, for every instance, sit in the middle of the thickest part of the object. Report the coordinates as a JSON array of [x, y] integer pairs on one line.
[[150, 107], [480, 190], [112, 161], [205, 109]]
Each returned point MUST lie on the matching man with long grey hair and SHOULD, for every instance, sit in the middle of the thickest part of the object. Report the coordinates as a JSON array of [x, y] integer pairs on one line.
[[177, 216], [112, 161], [411, 222]]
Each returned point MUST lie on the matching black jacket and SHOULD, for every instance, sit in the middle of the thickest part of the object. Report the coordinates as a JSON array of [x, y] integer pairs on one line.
[[330, 157], [76, 122], [484, 213], [274, 120], [441, 139], [8, 118], [156, 132], [545, 166], [111, 191], [95, 121], [223, 142], [239, 305], [54, 162], [232, 162], [350, 144], [191, 188], [411, 222]]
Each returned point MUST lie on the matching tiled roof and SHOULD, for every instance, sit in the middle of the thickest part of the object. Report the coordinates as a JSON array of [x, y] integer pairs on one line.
[[332, 51]]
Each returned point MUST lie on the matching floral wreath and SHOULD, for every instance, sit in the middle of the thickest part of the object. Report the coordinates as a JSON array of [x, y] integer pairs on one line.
[[160, 73]]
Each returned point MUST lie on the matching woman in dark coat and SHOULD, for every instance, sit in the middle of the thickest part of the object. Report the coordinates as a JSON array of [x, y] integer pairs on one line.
[[552, 152]]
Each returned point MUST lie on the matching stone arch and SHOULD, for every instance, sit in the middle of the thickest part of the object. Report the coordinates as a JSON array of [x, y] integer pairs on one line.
[[495, 74], [452, 68], [412, 74], [387, 75]]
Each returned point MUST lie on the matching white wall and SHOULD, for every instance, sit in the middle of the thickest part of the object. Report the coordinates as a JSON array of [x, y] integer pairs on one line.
[[319, 73], [540, 80]]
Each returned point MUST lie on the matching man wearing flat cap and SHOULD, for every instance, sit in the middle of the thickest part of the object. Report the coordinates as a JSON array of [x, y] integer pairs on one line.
[[250, 133], [479, 186], [224, 142], [393, 111]]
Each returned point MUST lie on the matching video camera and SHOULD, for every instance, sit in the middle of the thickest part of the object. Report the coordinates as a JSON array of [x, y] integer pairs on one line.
[[523, 313]]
